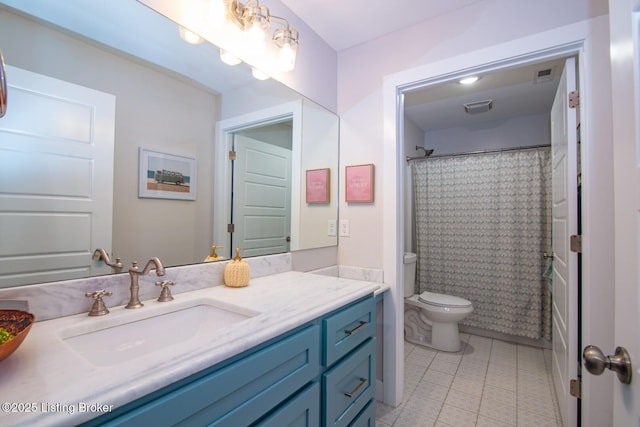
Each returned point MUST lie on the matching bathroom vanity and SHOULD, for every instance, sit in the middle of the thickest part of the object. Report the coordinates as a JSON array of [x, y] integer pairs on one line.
[[302, 351]]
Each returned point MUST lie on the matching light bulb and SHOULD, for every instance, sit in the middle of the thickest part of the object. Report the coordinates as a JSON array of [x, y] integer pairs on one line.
[[287, 57], [258, 74], [217, 11], [229, 58], [468, 80], [189, 36], [255, 38]]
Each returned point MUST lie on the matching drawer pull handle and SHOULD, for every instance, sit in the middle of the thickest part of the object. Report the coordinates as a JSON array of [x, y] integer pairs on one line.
[[363, 383], [357, 328]]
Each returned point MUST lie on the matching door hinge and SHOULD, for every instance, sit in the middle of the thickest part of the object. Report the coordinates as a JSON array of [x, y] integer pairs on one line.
[[575, 243], [232, 155], [231, 228], [574, 99], [575, 388]]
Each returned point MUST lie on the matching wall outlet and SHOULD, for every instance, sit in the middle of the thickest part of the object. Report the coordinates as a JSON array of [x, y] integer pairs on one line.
[[344, 228], [332, 228]]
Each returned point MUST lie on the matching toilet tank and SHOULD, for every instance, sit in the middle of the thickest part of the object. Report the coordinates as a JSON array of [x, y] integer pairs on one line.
[[409, 261]]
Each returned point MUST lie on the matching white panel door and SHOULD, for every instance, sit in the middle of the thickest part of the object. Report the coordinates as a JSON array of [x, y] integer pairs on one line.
[[565, 272], [261, 197], [56, 179]]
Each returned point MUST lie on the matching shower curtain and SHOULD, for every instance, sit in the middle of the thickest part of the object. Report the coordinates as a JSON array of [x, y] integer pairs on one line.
[[483, 222]]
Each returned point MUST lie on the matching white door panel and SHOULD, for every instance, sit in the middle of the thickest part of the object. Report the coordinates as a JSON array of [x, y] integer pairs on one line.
[[56, 179], [565, 216], [261, 197]]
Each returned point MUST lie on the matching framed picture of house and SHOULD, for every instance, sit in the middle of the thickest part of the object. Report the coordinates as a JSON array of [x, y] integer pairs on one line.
[[317, 186], [359, 183], [166, 176]]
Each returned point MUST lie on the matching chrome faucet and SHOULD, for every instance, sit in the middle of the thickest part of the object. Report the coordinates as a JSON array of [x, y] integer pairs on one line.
[[134, 273], [101, 254]]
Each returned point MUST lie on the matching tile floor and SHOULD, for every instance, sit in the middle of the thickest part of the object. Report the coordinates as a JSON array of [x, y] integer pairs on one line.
[[488, 383]]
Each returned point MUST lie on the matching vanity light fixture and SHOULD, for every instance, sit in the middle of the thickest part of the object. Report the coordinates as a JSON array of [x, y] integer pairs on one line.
[[287, 41], [247, 31], [256, 21]]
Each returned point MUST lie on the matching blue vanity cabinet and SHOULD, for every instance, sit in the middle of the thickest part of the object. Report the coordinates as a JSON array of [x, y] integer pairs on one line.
[[346, 385], [345, 330], [366, 417], [235, 394], [348, 379], [322, 373], [303, 410]]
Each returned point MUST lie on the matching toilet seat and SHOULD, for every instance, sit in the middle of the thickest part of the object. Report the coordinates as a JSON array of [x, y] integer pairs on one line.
[[442, 300]]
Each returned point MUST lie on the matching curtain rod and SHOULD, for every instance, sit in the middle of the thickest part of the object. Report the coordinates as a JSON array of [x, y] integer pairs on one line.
[[469, 153]]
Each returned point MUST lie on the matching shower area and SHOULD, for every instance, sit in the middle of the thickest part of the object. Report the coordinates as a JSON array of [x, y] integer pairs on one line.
[[478, 200], [481, 224]]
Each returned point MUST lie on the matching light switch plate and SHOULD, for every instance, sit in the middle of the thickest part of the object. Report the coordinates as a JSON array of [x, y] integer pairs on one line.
[[332, 228], [344, 228]]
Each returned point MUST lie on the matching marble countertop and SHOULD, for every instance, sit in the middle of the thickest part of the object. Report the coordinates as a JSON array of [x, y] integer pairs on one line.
[[46, 382]]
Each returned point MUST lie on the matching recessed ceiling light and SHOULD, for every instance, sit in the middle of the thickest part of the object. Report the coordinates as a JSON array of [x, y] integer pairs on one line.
[[468, 80]]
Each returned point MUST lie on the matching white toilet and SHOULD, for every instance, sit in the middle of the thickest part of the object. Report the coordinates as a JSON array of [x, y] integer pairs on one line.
[[431, 319]]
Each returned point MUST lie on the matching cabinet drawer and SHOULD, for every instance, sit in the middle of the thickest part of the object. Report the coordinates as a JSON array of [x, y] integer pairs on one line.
[[345, 330], [349, 385], [240, 393], [366, 417], [302, 411]]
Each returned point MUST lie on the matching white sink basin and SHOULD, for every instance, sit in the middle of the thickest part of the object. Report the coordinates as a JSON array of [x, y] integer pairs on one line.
[[129, 334]]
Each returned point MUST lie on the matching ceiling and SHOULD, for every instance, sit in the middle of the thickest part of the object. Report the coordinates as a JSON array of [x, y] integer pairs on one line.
[[515, 92], [347, 23], [116, 24]]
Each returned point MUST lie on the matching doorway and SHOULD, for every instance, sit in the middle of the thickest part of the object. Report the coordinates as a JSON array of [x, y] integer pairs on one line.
[[261, 190], [589, 41], [278, 132], [516, 116]]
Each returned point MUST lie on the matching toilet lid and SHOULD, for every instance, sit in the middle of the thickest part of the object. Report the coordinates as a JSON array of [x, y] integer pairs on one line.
[[443, 300]]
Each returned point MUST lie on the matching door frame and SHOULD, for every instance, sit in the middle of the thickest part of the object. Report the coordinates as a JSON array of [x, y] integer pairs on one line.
[[588, 40], [225, 130], [625, 60]]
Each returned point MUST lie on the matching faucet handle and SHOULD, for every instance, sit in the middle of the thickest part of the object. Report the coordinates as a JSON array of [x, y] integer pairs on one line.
[[98, 308], [165, 293]]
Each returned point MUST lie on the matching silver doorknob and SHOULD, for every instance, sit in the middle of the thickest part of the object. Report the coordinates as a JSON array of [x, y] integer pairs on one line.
[[595, 361]]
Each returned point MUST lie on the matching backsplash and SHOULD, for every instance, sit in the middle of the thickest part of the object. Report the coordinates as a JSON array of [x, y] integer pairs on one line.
[[356, 273], [57, 299]]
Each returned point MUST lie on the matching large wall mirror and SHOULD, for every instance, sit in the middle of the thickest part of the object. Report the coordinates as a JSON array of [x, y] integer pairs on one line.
[[171, 101]]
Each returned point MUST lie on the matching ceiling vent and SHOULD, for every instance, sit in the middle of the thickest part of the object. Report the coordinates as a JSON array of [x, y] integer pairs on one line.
[[545, 75], [478, 107]]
